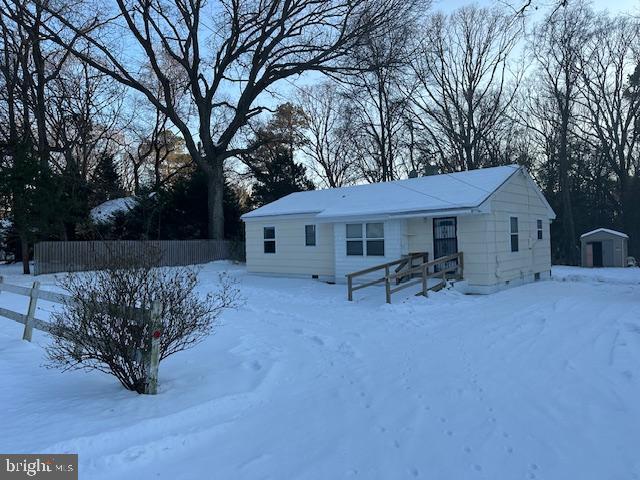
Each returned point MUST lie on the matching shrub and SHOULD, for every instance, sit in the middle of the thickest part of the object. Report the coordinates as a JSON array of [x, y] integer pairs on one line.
[[101, 328]]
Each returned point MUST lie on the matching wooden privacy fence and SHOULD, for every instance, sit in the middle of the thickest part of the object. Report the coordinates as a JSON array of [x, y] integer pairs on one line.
[[406, 270], [149, 355], [54, 257]]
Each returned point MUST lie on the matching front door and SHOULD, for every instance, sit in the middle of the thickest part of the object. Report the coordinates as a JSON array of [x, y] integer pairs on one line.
[[597, 253], [445, 239]]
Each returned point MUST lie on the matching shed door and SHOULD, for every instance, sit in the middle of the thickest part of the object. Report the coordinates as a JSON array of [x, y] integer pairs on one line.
[[589, 259], [597, 253], [445, 239]]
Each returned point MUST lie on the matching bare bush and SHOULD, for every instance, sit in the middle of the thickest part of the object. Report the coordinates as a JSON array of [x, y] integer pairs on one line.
[[103, 327]]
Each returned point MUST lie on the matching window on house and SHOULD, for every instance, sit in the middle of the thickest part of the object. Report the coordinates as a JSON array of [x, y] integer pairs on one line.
[[269, 235], [375, 239], [371, 234], [514, 233], [354, 239], [310, 235], [539, 229]]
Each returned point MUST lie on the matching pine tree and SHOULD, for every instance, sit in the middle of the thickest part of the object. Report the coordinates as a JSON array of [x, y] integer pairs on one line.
[[276, 175], [272, 161], [105, 182]]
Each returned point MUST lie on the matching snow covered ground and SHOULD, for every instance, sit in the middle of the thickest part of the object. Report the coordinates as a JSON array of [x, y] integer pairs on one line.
[[540, 381]]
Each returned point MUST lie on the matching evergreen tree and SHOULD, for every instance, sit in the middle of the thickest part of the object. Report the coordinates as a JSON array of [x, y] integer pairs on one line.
[[105, 182], [177, 211], [276, 175], [272, 159]]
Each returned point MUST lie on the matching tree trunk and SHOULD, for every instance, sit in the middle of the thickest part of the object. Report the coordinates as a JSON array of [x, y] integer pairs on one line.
[[568, 224], [215, 198], [24, 247]]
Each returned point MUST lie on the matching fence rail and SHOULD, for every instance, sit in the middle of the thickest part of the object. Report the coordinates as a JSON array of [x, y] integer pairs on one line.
[[54, 257]]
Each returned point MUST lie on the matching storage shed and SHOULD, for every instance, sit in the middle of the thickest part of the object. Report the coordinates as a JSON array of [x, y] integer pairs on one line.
[[604, 248]]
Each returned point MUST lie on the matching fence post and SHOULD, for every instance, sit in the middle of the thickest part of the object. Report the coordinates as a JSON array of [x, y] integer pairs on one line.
[[425, 269], [387, 284], [349, 288], [31, 313], [152, 352]]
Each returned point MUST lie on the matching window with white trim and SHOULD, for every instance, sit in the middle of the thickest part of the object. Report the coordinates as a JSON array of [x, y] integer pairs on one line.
[[310, 235], [369, 235], [539, 225], [513, 232], [354, 239], [269, 237], [375, 239]]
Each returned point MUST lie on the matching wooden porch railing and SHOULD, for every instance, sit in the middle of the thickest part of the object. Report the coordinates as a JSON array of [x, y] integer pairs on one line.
[[423, 270], [400, 272]]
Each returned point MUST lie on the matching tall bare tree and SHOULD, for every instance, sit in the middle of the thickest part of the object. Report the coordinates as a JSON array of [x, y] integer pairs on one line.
[[379, 104], [465, 83], [226, 55], [329, 135], [612, 105], [558, 47]]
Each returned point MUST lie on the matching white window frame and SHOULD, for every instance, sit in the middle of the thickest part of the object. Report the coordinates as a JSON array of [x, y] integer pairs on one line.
[[516, 233], [539, 229], [364, 239], [265, 240], [315, 235], [348, 239], [367, 239]]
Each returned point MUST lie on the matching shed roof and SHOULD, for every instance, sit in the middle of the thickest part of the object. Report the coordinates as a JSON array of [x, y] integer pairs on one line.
[[450, 191], [605, 230]]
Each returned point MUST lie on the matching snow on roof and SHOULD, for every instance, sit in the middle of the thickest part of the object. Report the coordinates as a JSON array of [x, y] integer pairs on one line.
[[104, 211], [605, 230], [462, 190]]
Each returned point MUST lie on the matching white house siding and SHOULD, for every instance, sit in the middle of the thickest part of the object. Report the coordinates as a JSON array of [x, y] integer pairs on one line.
[[472, 233], [420, 235], [292, 256], [517, 198], [474, 239], [395, 245]]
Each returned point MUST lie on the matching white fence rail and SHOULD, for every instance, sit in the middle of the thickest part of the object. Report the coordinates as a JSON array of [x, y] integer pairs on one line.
[[54, 257]]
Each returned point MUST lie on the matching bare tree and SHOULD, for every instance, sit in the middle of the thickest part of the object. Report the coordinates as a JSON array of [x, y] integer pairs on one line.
[[465, 83], [379, 104], [612, 106], [226, 57], [329, 142], [558, 48]]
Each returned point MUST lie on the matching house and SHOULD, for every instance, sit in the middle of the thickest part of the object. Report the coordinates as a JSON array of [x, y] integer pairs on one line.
[[497, 217], [604, 248]]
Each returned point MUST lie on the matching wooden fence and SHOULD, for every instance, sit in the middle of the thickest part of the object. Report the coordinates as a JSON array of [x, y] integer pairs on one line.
[[54, 257], [150, 355]]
